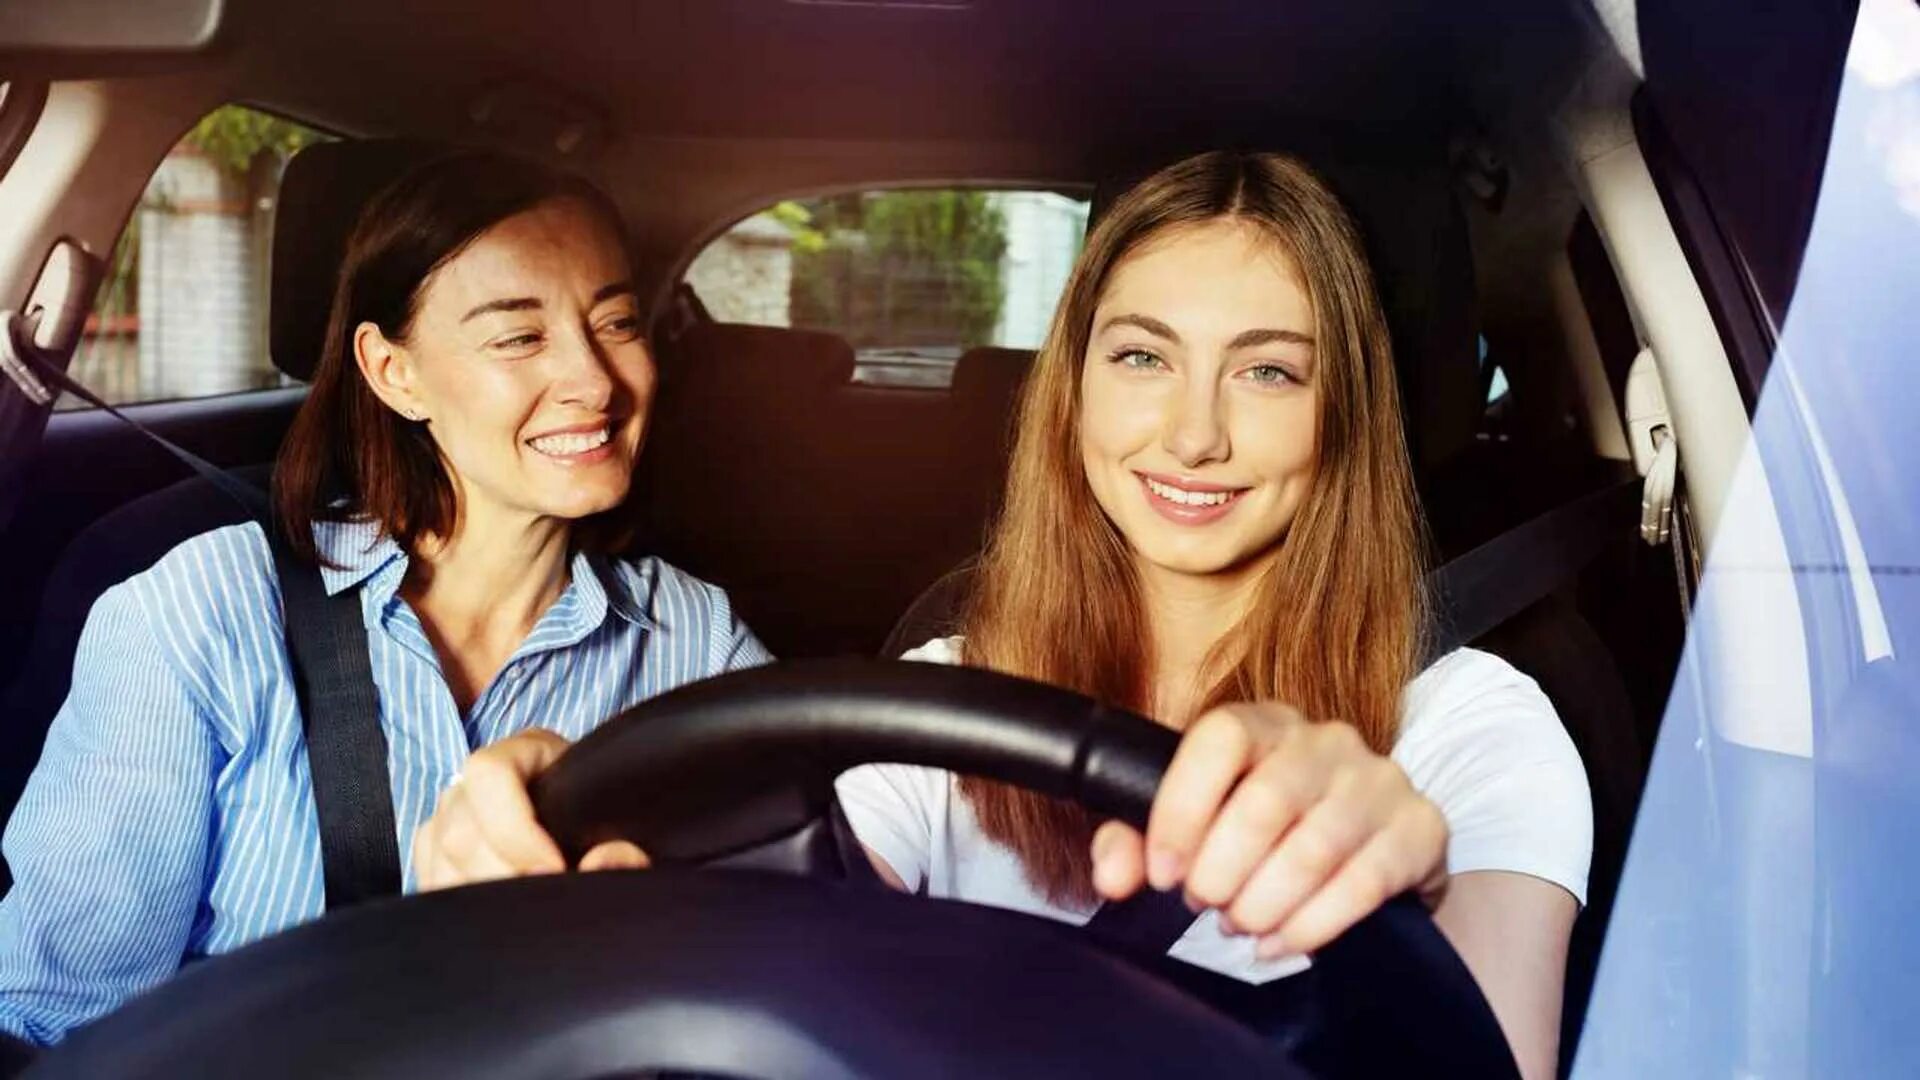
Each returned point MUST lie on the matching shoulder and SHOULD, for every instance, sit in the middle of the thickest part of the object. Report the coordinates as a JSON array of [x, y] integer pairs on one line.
[[1473, 705], [946, 650], [669, 595], [678, 606], [1482, 741], [1472, 679], [212, 598], [206, 580]]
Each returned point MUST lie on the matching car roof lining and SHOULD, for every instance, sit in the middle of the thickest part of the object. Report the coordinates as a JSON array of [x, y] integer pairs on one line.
[[1095, 73], [1040, 92]]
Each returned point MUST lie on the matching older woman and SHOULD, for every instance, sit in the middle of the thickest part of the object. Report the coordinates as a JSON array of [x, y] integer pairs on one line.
[[460, 464]]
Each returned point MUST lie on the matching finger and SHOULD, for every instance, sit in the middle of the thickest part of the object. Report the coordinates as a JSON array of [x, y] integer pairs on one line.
[[443, 874], [1390, 863], [1212, 755], [481, 863], [461, 851], [1306, 858], [615, 855], [1119, 860], [1265, 804], [423, 856], [495, 791]]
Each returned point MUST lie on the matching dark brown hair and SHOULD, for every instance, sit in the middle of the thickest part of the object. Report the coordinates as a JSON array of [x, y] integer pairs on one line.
[[1335, 630], [347, 454]]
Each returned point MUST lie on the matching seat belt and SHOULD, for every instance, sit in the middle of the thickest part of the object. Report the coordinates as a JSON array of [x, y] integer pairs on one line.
[[340, 717], [1148, 923], [1472, 594], [332, 679], [1477, 591]]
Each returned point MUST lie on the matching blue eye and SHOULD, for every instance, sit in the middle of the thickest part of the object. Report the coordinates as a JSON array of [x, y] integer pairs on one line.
[[1137, 359], [1270, 375]]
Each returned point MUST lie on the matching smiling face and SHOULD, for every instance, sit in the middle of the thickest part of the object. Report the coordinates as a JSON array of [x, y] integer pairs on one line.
[[526, 360], [1198, 399]]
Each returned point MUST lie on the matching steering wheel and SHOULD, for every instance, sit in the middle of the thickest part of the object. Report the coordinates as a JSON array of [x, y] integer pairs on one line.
[[797, 963]]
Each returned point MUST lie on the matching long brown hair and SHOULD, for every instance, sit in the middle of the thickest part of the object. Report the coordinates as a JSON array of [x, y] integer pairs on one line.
[[347, 454], [1336, 623]]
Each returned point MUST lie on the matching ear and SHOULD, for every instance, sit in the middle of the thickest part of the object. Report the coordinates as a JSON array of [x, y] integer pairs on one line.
[[389, 371]]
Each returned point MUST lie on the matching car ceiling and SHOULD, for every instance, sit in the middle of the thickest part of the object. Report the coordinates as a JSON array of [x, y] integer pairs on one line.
[[1100, 73], [705, 110]]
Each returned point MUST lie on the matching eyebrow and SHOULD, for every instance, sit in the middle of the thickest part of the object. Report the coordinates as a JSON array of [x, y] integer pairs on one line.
[[1246, 339], [1145, 322], [527, 303]]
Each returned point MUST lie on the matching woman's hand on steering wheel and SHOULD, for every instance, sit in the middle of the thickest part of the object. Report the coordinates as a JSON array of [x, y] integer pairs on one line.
[[484, 827], [1292, 830]]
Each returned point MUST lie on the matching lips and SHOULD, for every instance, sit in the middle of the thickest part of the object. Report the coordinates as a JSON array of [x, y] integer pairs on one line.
[[1189, 502]]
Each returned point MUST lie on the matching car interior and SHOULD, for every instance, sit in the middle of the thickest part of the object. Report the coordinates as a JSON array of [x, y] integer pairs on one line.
[[836, 512]]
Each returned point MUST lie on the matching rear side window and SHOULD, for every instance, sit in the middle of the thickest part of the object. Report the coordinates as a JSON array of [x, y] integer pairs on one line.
[[182, 309], [911, 278]]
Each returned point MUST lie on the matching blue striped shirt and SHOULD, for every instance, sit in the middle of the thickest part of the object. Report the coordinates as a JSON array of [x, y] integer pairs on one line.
[[171, 815]]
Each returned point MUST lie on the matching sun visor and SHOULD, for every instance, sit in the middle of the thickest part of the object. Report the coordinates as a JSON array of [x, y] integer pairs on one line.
[[72, 38]]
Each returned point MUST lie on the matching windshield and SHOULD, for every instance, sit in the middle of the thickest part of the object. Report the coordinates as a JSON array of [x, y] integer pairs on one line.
[[1764, 925]]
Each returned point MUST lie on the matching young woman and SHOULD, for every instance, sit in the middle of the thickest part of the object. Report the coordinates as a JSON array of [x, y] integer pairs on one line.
[[460, 463], [1210, 519]]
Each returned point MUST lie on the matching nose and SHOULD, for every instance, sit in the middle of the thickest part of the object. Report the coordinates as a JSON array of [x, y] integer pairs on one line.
[[584, 375], [1196, 431]]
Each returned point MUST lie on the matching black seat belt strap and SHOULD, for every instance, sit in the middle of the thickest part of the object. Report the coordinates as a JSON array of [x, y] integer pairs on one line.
[[1147, 924], [340, 717], [1476, 592], [333, 683]]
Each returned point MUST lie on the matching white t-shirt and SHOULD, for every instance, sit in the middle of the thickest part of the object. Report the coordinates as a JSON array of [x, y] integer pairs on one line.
[[1476, 737]]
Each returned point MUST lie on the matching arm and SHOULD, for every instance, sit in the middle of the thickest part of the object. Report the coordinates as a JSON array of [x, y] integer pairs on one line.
[[109, 843], [1511, 930], [1484, 743]]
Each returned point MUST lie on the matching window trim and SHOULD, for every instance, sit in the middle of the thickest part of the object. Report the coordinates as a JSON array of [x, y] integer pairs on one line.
[[1726, 280]]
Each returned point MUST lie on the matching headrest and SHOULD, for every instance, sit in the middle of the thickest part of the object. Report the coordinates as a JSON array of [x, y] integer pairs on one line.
[[737, 358], [1416, 241], [322, 193], [990, 372]]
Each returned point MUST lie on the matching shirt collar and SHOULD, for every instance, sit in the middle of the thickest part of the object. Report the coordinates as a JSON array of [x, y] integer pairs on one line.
[[353, 551], [361, 552], [621, 587]]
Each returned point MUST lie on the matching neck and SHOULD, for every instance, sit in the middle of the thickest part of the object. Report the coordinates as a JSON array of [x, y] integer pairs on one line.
[[1188, 615], [493, 576]]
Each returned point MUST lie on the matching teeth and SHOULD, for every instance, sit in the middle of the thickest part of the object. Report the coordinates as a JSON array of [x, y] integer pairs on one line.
[[1189, 498], [566, 445]]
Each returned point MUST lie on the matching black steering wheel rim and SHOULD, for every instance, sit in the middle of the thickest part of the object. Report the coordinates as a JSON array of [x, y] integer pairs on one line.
[[720, 768], [599, 975], [739, 771]]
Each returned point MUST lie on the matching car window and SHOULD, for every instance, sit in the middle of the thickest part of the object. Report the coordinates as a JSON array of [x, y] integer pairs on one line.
[[911, 278], [182, 309]]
